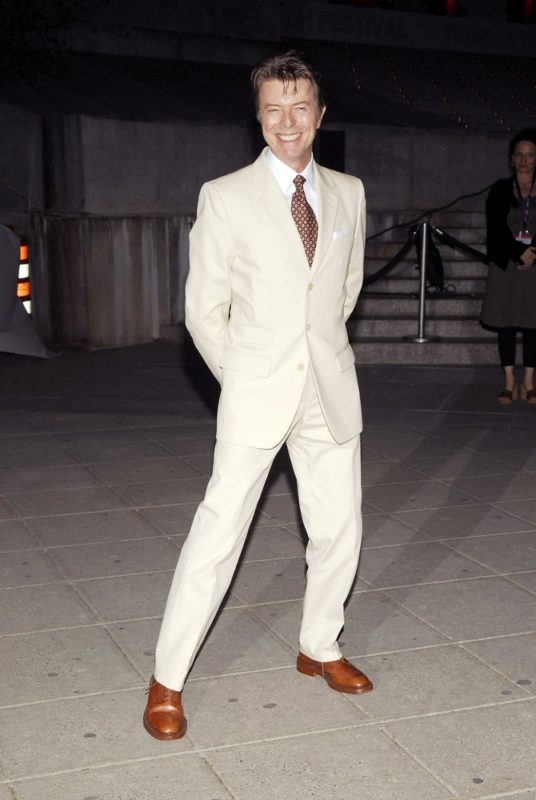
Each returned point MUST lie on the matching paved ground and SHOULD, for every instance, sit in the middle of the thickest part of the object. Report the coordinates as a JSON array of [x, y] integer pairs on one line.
[[103, 458]]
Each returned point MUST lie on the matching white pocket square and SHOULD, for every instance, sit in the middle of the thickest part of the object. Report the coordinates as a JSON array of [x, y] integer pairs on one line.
[[341, 233]]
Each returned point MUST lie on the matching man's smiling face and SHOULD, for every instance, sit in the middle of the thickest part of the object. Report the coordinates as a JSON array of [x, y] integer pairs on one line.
[[290, 117]]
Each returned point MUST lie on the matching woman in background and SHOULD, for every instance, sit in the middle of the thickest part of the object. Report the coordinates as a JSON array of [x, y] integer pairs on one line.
[[509, 302]]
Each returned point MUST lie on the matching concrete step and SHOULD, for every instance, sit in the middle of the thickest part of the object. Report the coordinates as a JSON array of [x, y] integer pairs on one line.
[[409, 284], [382, 220], [472, 236], [388, 309], [451, 269], [370, 305], [449, 327], [454, 351], [460, 219], [407, 269], [384, 251]]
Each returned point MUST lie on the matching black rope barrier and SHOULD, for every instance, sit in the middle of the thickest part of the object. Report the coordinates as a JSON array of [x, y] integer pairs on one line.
[[449, 240], [396, 259], [429, 213], [436, 273], [429, 262]]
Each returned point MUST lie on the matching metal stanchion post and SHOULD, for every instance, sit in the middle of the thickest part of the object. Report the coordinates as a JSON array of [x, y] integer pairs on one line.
[[421, 337]]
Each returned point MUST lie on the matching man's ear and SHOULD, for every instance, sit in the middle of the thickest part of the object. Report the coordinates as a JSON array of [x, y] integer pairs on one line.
[[321, 117]]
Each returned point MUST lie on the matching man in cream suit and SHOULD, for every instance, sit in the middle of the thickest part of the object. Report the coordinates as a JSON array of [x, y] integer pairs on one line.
[[276, 265]]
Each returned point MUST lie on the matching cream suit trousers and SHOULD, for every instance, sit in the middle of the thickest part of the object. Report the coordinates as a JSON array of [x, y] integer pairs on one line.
[[329, 489]]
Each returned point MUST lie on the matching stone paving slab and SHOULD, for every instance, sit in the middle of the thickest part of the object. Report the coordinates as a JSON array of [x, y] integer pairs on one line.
[[171, 518], [374, 623], [254, 647], [41, 478], [354, 764], [42, 607], [525, 579], [459, 465], [509, 552], [512, 656], [525, 509], [414, 563], [15, 536], [93, 527], [270, 704], [22, 567], [99, 481], [81, 732], [471, 609], [121, 597], [475, 520], [33, 451], [131, 781], [490, 750], [416, 494], [58, 663], [65, 501], [115, 558], [428, 681], [156, 493]]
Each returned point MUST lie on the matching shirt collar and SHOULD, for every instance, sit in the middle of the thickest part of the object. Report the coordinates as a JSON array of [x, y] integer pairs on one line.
[[285, 175]]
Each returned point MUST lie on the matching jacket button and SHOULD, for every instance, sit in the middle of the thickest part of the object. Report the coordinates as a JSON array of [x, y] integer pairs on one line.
[[311, 287], [307, 327], [301, 367]]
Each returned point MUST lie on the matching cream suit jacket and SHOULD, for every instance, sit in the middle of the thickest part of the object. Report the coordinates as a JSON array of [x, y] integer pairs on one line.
[[259, 315]]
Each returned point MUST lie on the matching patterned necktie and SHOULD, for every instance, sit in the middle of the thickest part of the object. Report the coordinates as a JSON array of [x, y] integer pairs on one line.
[[305, 219]]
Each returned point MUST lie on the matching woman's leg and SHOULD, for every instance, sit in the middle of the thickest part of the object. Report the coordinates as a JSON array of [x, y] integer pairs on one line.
[[506, 338], [529, 360]]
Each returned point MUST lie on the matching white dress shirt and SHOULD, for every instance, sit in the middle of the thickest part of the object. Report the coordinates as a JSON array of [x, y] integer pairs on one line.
[[285, 175]]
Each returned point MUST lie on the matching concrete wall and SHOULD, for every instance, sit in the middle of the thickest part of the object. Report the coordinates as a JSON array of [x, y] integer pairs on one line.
[[409, 169], [113, 281], [121, 167], [113, 167], [109, 244], [110, 217], [21, 185], [152, 168]]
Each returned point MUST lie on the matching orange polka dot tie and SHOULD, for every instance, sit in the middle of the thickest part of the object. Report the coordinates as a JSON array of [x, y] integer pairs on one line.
[[305, 219]]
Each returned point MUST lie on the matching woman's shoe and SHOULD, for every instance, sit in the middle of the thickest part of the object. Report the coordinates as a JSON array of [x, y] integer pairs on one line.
[[528, 394], [507, 395]]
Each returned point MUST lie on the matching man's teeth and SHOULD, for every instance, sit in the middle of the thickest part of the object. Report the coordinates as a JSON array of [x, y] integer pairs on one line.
[[289, 137]]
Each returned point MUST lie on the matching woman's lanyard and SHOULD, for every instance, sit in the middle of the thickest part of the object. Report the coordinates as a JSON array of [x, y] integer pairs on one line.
[[524, 203]]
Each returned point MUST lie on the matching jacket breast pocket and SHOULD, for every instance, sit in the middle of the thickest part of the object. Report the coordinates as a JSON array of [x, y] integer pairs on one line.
[[345, 358], [342, 232]]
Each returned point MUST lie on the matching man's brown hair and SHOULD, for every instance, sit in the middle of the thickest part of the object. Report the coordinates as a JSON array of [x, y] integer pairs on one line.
[[288, 68]]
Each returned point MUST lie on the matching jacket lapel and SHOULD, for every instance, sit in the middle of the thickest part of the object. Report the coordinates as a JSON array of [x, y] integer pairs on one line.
[[268, 195], [328, 203], [273, 205]]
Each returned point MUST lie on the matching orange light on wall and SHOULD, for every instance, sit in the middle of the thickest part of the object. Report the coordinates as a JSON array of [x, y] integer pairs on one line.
[[452, 7], [527, 10], [24, 289]]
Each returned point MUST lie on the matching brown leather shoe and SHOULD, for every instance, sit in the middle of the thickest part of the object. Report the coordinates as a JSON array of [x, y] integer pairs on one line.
[[339, 675], [164, 717]]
